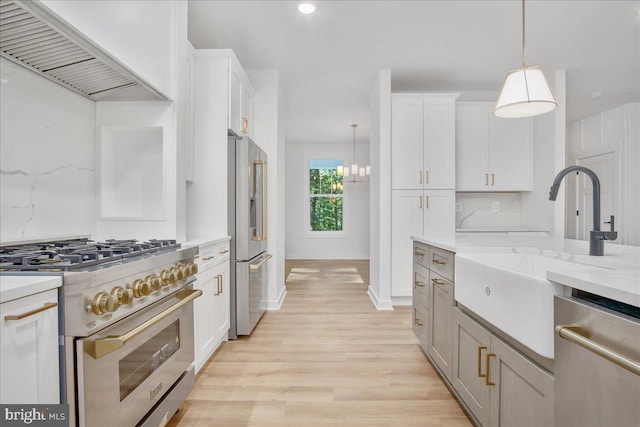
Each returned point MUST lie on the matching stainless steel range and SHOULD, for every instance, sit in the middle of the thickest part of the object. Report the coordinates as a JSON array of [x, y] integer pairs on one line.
[[127, 321]]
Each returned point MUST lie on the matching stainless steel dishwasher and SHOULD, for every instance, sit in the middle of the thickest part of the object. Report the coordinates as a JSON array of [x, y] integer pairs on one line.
[[597, 362]]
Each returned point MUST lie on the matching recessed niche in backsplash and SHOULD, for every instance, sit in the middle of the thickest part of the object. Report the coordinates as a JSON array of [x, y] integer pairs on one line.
[[478, 210]]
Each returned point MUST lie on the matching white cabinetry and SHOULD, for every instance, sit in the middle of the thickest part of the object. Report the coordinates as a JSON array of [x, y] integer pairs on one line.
[[417, 212], [212, 310], [493, 154], [240, 99], [422, 141], [29, 349]]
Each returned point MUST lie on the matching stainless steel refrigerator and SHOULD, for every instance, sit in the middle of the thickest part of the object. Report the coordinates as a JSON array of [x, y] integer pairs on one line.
[[248, 230]]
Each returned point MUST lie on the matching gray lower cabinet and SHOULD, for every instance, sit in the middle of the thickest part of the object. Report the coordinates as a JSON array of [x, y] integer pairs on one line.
[[440, 334], [499, 385]]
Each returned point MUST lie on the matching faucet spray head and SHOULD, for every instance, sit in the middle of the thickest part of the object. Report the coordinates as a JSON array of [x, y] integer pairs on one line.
[[554, 192]]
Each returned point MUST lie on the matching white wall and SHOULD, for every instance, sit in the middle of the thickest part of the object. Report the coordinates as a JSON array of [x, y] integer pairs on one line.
[[353, 241], [380, 192], [268, 133], [141, 34], [47, 148]]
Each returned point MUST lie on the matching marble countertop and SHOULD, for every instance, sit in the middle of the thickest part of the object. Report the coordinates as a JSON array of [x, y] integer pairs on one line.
[[617, 279], [204, 240], [14, 287], [523, 229]]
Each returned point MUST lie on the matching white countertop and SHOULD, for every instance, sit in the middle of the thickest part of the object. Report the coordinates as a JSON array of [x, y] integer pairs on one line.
[[204, 240], [520, 229], [620, 281], [14, 287]]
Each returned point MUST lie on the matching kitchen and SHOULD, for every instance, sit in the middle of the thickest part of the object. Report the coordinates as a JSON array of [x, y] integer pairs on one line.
[[62, 150]]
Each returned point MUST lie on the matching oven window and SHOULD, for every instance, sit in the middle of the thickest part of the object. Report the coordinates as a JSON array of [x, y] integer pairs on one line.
[[140, 363]]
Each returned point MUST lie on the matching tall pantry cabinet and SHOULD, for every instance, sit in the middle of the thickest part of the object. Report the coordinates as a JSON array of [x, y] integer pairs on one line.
[[422, 177]]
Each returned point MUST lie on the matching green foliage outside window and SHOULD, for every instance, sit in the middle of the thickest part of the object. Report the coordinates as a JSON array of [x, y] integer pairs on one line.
[[325, 190]]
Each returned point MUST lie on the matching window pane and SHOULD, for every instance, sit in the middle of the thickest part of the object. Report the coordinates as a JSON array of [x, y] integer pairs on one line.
[[314, 181], [326, 213]]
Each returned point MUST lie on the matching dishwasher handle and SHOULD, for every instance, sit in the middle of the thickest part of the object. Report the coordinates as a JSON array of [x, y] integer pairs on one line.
[[572, 334]]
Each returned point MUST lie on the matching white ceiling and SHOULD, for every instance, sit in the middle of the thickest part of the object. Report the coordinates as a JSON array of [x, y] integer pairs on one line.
[[328, 60]]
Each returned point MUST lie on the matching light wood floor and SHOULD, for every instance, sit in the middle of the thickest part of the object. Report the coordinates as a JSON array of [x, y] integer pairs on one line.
[[327, 358]]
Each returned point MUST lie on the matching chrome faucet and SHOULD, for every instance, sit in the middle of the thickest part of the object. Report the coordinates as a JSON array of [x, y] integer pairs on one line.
[[597, 237]]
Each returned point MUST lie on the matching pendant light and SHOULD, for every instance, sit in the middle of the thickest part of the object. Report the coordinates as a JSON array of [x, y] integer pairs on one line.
[[525, 91], [354, 173]]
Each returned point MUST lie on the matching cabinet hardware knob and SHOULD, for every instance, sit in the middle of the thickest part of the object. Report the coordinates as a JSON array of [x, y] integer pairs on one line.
[[488, 365], [480, 374]]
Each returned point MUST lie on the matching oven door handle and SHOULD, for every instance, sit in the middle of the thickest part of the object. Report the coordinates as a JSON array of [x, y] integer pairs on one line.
[[103, 346]]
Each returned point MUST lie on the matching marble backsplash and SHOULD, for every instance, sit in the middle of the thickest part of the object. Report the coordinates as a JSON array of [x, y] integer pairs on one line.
[[47, 158], [478, 210]]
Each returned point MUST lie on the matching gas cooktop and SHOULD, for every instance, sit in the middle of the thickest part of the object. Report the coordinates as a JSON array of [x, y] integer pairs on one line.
[[78, 254]]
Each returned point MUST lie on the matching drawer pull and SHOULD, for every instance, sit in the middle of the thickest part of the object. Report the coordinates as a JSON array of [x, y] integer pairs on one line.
[[487, 379], [47, 306], [224, 251], [418, 253], [438, 282], [438, 262], [420, 284], [480, 374], [207, 258], [417, 322]]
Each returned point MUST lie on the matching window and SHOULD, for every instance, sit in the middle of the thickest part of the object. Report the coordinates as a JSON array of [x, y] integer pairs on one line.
[[325, 195]]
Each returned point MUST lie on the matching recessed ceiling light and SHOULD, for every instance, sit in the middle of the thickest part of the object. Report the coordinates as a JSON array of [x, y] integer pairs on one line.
[[306, 8], [597, 94]]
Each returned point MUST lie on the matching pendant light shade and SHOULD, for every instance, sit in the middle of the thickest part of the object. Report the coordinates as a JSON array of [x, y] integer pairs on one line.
[[525, 91]]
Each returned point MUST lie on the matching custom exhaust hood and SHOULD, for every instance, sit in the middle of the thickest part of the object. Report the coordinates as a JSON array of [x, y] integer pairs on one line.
[[37, 39]]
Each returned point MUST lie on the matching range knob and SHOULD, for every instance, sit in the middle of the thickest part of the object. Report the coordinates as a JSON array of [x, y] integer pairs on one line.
[[178, 272], [140, 288], [193, 268], [154, 282], [104, 303], [168, 277], [123, 296], [186, 271]]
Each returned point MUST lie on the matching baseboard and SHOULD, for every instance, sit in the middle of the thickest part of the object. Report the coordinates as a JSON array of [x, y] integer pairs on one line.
[[276, 304], [378, 304], [402, 300]]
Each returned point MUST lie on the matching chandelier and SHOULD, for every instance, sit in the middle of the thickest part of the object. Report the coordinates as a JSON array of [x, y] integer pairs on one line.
[[354, 174]]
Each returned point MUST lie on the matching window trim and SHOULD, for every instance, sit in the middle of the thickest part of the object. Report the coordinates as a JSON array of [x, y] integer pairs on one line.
[[325, 155]]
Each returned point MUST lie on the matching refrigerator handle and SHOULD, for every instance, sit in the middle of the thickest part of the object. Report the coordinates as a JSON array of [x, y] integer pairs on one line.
[[258, 265], [262, 198]]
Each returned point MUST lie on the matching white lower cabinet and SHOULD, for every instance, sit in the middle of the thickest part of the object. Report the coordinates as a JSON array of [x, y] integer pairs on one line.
[[29, 350], [212, 309], [500, 386]]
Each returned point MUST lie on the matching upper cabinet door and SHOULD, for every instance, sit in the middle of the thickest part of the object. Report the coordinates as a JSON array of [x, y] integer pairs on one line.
[[510, 154], [472, 147], [439, 143], [407, 142], [235, 98]]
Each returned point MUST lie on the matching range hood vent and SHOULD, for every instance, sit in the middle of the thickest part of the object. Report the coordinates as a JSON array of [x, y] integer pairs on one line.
[[33, 36]]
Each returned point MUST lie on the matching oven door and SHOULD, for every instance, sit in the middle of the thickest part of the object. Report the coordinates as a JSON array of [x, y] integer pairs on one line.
[[124, 370]]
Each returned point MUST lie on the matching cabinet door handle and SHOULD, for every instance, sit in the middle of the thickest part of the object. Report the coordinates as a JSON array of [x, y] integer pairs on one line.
[[426, 174], [419, 284], [47, 306], [420, 202], [207, 258], [418, 253], [420, 176], [438, 282], [245, 125], [417, 322], [486, 179], [219, 284], [487, 379], [480, 374], [426, 202], [493, 179]]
